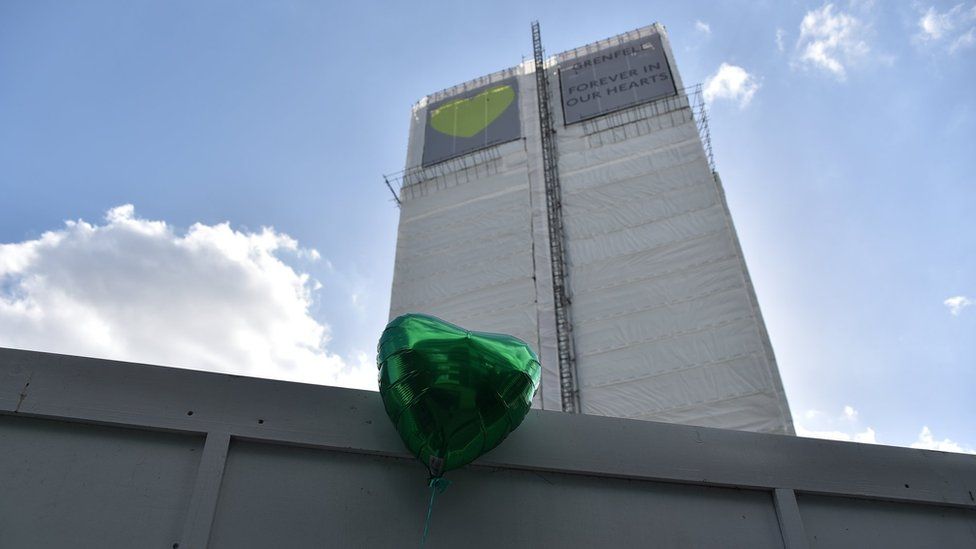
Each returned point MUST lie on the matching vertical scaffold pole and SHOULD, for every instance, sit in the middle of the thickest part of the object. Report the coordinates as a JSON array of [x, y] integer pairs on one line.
[[557, 253]]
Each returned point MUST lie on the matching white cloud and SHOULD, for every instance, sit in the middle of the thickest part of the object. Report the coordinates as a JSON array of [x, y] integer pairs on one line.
[[703, 27], [731, 82], [847, 427], [866, 436], [210, 298], [954, 28], [926, 441], [840, 427], [831, 41], [957, 303], [780, 35], [812, 414], [802, 431]]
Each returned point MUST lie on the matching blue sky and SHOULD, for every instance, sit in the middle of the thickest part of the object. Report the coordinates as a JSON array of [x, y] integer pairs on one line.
[[844, 134]]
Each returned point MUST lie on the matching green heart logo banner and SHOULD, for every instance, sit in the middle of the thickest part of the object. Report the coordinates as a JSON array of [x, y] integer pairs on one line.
[[453, 394], [469, 117], [472, 120]]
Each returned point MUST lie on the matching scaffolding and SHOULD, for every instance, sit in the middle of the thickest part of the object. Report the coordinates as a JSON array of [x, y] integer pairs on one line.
[[688, 102], [419, 181], [604, 243], [557, 254], [701, 120], [405, 184]]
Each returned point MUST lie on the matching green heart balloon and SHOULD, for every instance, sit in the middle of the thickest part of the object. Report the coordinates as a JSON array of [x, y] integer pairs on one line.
[[453, 394], [468, 117]]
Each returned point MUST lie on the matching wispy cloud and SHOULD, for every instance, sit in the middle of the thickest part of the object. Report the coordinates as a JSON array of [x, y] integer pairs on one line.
[[964, 41], [733, 83], [780, 44], [831, 41], [955, 28], [934, 25], [957, 303], [210, 298], [702, 27]]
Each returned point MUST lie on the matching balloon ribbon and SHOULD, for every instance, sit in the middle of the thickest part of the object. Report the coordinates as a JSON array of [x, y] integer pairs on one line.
[[437, 486]]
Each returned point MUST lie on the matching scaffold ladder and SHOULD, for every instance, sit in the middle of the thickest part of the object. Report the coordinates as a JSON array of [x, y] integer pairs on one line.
[[557, 253]]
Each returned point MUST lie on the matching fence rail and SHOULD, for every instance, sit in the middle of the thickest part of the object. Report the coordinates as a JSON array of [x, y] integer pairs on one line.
[[110, 454]]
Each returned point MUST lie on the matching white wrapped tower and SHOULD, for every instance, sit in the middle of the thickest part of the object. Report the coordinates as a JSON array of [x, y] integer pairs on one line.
[[662, 322]]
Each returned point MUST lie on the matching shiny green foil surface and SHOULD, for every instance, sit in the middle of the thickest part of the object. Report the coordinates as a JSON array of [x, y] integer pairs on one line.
[[453, 394]]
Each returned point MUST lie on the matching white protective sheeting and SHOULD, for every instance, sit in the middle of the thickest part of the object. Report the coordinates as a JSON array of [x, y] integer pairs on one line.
[[469, 239], [666, 326]]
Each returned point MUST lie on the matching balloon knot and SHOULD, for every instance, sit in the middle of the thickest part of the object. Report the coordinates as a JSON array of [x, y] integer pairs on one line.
[[439, 483]]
